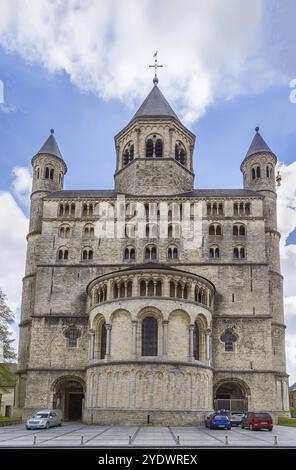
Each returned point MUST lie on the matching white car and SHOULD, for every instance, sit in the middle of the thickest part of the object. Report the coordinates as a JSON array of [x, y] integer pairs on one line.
[[44, 419]]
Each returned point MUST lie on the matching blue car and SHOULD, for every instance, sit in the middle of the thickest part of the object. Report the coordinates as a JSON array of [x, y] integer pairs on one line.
[[218, 421]]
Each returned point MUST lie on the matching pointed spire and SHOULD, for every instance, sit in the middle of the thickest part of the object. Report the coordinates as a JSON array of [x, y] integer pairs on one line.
[[155, 105], [51, 146], [258, 145]]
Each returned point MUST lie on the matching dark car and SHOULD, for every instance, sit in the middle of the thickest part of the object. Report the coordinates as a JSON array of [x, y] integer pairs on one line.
[[258, 420], [217, 421]]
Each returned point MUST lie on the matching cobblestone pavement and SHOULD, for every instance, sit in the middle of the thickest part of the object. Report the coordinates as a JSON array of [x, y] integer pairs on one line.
[[77, 435]]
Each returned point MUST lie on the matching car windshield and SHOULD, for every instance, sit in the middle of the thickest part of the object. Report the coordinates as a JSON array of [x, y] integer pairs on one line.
[[220, 417], [40, 415], [262, 415]]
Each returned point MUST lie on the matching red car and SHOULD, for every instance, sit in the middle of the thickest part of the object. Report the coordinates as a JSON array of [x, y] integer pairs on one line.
[[258, 420]]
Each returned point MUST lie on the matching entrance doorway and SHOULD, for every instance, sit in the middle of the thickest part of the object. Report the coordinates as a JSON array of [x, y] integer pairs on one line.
[[230, 396], [69, 398]]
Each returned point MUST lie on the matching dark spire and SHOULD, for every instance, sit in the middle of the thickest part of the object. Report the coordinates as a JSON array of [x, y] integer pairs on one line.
[[258, 145], [155, 105], [51, 146]]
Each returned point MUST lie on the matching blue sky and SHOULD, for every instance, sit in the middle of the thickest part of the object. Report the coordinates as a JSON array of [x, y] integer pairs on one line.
[[85, 126], [82, 68]]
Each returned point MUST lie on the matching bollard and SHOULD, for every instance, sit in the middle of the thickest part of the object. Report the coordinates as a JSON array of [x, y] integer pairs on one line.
[[275, 440], [226, 440], [178, 440], [129, 440], [34, 440], [81, 442]]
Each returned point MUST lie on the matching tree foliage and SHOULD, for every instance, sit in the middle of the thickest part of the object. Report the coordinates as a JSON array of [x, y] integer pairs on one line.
[[6, 316]]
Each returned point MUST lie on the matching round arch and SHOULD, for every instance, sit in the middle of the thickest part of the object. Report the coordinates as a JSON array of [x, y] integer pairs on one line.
[[231, 394], [68, 396]]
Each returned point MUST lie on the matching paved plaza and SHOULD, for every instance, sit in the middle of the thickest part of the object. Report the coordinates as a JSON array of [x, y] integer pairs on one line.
[[78, 435]]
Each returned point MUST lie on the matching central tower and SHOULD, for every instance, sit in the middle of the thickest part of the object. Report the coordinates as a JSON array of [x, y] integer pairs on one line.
[[154, 151]]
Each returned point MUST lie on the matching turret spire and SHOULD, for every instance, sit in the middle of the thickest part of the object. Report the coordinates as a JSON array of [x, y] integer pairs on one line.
[[50, 146]]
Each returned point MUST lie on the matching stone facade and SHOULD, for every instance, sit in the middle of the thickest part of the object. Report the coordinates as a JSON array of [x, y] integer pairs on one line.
[[147, 329]]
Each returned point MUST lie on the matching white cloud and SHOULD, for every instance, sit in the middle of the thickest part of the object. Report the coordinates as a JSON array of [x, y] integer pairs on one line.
[[22, 184], [210, 49], [287, 223]]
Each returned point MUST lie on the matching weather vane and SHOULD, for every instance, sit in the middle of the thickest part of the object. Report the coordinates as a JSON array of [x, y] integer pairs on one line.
[[156, 65]]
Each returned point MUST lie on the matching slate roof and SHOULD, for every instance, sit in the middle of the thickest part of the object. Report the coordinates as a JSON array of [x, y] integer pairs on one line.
[[51, 146], [258, 145], [155, 105], [109, 193]]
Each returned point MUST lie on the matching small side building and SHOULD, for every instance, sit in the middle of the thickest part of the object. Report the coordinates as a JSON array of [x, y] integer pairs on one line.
[[7, 388]]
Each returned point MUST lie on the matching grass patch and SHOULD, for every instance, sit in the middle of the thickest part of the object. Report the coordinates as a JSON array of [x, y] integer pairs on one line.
[[7, 420], [287, 422]]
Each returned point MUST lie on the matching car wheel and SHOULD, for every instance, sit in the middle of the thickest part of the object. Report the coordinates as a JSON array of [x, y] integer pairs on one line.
[[229, 428], [270, 429], [28, 429], [47, 425], [60, 424], [243, 427], [251, 427]]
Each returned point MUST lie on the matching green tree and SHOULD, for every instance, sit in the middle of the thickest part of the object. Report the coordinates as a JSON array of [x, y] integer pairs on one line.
[[6, 316]]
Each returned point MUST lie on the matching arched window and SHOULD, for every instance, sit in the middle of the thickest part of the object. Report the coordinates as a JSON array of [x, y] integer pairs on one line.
[[215, 229], [46, 172], [196, 342], [214, 252], [72, 334], [64, 231], [37, 173], [87, 254], [128, 153], [268, 171], [242, 230], [150, 252], [239, 252], [180, 153], [158, 148], [228, 338], [239, 230], [51, 174], [63, 254], [149, 336], [72, 209], [258, 172], [103, 342], [88, 231], [253, 173], [172, 253], [129, 253], [149, 148], [154, 147]]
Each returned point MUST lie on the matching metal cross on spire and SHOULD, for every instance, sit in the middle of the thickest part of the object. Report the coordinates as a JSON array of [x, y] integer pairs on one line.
[[156, 65]]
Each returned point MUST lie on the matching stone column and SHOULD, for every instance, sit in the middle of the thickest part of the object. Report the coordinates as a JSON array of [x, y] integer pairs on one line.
[[109, 289], [134, 338], [108, 342], [191, 329], [165, 325], [166, 287], [118, 163], [138, 131], [135, 292], [208, 346], [91, 354], [171, 131]]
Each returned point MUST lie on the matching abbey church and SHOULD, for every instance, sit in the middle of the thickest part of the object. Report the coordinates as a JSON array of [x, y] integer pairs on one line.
[[144, 326]]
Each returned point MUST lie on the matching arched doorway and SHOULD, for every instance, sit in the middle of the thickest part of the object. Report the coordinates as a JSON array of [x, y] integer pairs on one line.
[[69, 397], [231, 396]]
